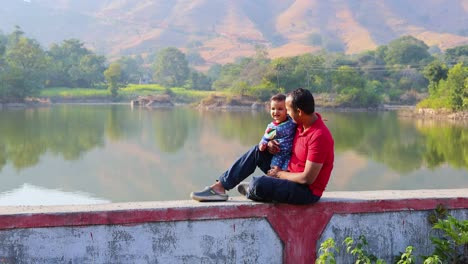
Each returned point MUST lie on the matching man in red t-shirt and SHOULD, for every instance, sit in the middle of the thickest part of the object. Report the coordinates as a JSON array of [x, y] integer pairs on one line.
[[308, 172]]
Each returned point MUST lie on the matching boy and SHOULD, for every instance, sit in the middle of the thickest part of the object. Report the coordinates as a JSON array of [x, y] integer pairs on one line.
[[282, 130]]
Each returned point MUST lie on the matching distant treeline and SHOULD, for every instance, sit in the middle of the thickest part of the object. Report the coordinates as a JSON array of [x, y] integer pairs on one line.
[[400, 72]]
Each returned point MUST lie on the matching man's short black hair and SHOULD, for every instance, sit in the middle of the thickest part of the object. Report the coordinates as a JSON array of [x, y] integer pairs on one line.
[[302, 99]]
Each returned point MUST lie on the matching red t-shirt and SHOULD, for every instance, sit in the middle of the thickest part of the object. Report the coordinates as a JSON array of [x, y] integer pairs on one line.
[[315, 145]]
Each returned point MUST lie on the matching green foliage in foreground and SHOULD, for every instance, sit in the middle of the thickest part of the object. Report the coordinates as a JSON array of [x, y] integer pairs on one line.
[[451, 246]]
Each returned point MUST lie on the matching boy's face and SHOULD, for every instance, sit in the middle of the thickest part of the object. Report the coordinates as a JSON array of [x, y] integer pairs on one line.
[[278, 111]]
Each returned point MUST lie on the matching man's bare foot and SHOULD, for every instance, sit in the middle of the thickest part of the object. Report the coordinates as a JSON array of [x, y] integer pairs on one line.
[[218, 187]]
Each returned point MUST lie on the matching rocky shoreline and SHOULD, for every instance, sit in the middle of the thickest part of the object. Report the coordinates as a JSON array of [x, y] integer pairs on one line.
[[238, 103], [437, 114]]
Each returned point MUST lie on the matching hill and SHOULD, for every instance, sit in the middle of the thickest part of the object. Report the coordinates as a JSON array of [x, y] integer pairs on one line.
[[221, 31]]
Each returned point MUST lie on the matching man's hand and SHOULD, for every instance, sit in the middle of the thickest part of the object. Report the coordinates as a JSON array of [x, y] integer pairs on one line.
[[273, 147], [262, 146]]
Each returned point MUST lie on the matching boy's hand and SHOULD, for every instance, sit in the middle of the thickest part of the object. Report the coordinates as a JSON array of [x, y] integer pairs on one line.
[[273, 172], [273, 147], [262, 146]]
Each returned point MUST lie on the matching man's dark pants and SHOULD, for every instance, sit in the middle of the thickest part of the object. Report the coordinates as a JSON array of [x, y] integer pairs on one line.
[[265, 188]]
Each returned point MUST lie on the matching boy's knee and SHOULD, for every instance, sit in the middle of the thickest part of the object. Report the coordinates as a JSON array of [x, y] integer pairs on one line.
[[259, 185]]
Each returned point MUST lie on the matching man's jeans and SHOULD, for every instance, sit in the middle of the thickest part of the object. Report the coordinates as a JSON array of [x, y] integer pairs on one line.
[[265, 188]]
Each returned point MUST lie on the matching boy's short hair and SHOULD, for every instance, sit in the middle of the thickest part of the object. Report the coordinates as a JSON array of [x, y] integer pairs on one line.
[[278, 97], [302, 99]]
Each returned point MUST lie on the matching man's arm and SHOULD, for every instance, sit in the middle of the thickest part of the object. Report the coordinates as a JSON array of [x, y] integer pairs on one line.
[[308, 176]]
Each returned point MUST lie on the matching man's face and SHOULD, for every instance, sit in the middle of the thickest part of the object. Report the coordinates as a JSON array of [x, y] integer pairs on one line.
[[291, 111]]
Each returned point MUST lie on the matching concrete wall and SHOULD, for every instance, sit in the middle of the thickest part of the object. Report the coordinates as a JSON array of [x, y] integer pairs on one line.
[[236, 231]]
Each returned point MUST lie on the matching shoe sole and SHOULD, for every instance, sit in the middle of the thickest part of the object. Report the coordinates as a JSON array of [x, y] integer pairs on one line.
[[243, 188], [208, 198]]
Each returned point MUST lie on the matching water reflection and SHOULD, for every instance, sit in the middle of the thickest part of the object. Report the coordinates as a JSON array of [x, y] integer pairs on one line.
[[22, 196], [124, 154]]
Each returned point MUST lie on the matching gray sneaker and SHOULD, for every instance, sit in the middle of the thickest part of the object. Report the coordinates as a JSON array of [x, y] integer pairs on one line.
[[208, 195], [243, 188]]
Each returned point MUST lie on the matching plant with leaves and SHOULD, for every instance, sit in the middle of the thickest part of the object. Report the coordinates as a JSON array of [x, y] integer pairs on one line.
[[407, 256], [452, 245], [326, 252], [357, 250], [433, 260]]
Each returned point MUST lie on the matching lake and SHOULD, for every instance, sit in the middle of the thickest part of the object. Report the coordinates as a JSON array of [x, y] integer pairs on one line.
[[86, 154]]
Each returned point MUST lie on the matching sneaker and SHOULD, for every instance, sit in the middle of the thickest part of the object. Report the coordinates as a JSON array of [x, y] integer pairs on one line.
[[208, 195], [243, 188]]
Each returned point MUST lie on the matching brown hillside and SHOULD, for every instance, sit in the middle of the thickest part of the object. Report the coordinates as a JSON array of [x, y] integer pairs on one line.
[[221, 31]]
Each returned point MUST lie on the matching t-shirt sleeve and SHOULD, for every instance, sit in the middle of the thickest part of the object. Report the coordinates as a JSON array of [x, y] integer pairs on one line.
[[267, 135], [318, 149]]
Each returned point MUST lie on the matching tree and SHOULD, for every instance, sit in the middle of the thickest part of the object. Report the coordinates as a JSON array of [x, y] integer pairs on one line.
[[113, 75], [435, 72], [199, 81], [456, 81], [313, 69], [15, 36], [346, 77], [24, 69], [132, 70], [406, 50], [457, 54], [3, 41], [73, 65], [90, 70], [171, 68], [194, 58], [228, 74]]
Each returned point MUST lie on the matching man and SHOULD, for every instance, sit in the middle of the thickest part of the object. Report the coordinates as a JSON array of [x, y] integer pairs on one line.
[[308, 172]]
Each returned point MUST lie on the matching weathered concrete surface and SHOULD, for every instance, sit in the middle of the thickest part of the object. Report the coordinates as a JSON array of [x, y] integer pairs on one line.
[[236, 231], [210, 241], [387, 233]]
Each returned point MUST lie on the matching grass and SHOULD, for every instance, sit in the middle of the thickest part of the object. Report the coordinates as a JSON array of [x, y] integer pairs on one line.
[[73, 92], [435, 103], [129, 92]]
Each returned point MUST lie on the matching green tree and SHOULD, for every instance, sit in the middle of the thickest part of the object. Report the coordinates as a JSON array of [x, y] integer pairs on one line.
[[73, 65], [199, 81], [435, 72], [456, 81], [228, 75], [113, 75], [371, 66], [313, 69], [171, 68], [406, 50], [194, 58], [451, 93], [24, 70], [3, 42], [346, 77], [457, 54], [15, 36], [132, 69]]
